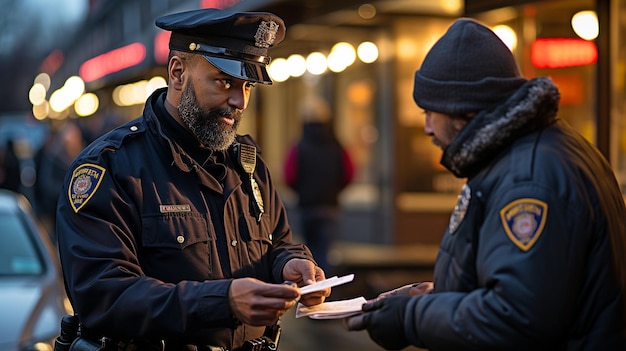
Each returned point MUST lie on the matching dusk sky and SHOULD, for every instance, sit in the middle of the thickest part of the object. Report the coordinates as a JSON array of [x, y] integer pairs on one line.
[[29, 30]]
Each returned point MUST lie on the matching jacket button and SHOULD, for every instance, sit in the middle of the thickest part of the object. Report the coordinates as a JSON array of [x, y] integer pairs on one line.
[[180, 239], [233, 243], [133, 128]]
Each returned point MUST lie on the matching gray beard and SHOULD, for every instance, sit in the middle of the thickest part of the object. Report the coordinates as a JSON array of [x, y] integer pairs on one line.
[[205, 125]]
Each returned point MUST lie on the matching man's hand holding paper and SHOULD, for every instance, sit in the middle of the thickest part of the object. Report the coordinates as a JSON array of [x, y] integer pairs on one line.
[[305, 273]]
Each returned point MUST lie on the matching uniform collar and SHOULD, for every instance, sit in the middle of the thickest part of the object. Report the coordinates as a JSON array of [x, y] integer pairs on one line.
[[532, 107]]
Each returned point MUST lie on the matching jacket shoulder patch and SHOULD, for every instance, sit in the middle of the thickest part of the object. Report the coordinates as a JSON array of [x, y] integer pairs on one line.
[[86, 179], [524, 220]]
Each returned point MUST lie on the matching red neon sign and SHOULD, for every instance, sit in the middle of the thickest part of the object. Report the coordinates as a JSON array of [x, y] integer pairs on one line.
[[112, 61], [563, 52], [161, 47], [219, 4]]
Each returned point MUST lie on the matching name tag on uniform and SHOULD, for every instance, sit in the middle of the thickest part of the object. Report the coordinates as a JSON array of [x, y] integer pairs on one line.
[[174, 208]]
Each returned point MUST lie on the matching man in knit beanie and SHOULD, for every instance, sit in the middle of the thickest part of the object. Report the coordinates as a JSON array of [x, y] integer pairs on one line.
[[533, 255]]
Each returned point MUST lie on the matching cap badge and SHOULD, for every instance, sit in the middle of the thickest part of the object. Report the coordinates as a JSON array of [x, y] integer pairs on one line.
[[266, 34]]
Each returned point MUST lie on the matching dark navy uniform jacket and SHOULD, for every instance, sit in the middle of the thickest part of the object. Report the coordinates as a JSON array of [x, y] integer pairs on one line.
[[152, 229], [526, 261]]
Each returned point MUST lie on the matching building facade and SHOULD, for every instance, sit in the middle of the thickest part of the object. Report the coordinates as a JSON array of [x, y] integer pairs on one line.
[[401, 194]]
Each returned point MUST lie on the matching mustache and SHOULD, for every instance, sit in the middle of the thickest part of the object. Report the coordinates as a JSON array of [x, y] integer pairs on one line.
[[436, 142], [225, 112]]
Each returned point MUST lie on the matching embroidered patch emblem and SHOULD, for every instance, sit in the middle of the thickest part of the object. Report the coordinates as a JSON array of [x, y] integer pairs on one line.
[[86, 179], [266, 34], [460, 209], [523, 220]]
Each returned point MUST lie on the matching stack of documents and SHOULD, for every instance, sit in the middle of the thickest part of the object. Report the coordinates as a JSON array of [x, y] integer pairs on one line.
[[332, 309]]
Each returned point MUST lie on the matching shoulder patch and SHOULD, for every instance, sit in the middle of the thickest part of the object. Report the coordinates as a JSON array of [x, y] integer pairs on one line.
[[86, 179], [523, 220]]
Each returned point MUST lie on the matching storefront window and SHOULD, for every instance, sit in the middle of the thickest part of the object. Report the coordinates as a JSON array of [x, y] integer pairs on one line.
[[618, 87], [416, 158]]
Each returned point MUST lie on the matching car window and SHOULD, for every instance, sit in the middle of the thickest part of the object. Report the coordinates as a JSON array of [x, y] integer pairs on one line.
[[18, 254]]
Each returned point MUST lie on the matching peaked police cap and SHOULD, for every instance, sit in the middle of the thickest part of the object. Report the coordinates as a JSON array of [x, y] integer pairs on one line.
[[236, 43]]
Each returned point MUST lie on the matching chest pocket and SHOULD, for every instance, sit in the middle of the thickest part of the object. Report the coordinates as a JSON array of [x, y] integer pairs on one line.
[[177, 246], [255, 253]]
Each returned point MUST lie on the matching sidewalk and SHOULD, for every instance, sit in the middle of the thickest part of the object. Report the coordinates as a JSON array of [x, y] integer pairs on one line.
[[304, 334]]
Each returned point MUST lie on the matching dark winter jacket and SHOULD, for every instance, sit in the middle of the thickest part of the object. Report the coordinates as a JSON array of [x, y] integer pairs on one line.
[[526, 261]]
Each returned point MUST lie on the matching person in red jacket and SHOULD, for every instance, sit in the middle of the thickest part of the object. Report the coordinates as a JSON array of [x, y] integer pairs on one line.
[[318, 168]]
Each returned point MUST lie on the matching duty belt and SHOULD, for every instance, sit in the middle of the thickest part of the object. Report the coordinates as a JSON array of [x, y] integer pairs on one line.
[[75, 338]]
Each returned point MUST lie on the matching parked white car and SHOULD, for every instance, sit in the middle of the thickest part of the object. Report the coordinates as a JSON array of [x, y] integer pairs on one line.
[[32, 297]]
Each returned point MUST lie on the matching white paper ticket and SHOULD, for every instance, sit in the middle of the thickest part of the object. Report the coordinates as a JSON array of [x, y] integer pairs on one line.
[[327, 283]]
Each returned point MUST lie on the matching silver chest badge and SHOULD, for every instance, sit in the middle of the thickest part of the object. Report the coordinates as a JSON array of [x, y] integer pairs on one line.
[[460, 208], [246, 156], [266, 34]]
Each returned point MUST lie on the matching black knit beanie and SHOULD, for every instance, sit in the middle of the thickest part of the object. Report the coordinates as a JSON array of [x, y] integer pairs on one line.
[[467, 70]]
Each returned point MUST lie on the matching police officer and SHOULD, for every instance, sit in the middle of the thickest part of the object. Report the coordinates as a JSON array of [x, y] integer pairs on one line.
[[170, 229], [533, 255]]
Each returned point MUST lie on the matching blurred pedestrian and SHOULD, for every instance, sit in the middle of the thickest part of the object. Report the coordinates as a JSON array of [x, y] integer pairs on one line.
[[171, 233], [10, 177], [533, 257], [52, 162], [318, 168]]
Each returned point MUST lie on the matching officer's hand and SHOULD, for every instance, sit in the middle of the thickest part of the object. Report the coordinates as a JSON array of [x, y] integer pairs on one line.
[[304, 272], [384, 321], [257, 303], [409, 290]]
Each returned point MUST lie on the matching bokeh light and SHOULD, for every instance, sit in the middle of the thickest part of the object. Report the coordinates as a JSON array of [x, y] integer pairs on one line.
[[585, 25], [278, 70], [367, 52], [316, 63], [507, 35]]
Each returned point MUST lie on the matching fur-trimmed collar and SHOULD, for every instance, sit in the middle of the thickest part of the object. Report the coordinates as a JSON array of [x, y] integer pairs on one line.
[[533, 106]]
